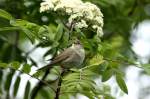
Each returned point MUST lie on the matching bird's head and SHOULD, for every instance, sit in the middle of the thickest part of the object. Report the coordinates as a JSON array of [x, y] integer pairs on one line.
[[77, 44]]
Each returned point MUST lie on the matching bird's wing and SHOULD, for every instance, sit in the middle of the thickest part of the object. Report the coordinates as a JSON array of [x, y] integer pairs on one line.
[[62, 56]]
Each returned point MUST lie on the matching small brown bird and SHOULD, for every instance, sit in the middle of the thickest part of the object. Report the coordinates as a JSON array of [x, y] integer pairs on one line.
[[70, 57]]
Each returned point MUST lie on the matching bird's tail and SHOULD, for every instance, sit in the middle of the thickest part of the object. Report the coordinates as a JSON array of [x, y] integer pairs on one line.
[[49, 66]]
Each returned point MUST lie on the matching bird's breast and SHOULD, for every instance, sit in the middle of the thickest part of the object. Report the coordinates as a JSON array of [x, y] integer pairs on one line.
[[75, 59]]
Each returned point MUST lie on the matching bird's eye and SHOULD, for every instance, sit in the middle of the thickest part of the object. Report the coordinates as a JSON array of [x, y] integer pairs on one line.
[[77, 42]]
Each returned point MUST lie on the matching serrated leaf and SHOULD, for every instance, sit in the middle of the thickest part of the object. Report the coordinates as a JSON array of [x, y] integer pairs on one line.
[[65, 40], [107, 75], [15, 65], [89, 94], [27, 90], [87, 84], [16, 86], [72, 76], [5, 14], [121, 84], [59, 32], [96, 60], [26, 68]]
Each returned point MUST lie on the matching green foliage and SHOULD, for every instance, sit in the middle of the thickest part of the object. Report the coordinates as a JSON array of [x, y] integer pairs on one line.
[[81, 81], [5, 15], [8, 81], [146, 67], [105, 57], [121, 83], [107, 75], [26, 68], [16, 86], [27, 90], [45, 92]]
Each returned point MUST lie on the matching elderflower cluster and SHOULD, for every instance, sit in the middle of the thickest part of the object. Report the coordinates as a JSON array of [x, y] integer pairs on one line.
[[82, 15]]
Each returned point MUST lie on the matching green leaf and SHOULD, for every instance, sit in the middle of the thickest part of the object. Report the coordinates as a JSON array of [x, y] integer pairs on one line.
[[65, 40], [26, 68], [29, 34], [86, 84], [15, 65], [30, 29], [107, 75], [8, 80], [65, 96], [9, 28], [89, 94], [16, 86], [55, 44], [27, 90], [146, 65], [121, 84], [96, 60], [3, 65], [146, 68], [59, 32], [5, 14], [45, 93]]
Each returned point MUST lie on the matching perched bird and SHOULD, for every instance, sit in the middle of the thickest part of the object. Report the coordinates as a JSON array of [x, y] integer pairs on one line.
[[70, 57]]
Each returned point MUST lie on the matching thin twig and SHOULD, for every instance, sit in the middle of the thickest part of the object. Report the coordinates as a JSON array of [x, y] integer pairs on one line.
[[32, 77], [59, 84]]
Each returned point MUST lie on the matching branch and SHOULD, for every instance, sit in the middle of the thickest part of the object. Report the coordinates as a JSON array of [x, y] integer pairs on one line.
[[59, 85]]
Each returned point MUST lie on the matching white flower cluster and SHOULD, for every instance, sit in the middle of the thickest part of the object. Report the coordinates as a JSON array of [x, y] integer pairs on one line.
[[83, 15]]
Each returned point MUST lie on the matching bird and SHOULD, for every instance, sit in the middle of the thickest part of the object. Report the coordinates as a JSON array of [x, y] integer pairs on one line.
[[70, 57]]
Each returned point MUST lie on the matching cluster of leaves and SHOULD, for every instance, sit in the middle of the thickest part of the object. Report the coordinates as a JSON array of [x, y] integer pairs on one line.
[[32, 31], [11, 68]]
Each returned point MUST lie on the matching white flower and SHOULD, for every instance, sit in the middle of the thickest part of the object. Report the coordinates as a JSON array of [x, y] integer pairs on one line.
[[81, 14], [46, 5], [74, 17], [99, 30], [81, 24]]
